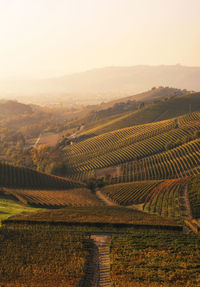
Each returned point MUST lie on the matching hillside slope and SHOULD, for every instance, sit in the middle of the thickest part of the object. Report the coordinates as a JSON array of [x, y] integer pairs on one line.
[[136, 143], [52, 198], [161, 110], [13, 108], [161, 197], [154, 94], [22, 177]]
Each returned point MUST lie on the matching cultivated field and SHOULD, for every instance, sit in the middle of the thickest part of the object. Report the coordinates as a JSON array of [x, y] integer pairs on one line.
[[96, 216], [54, 198], [41, 257], [21, 177], [155, 259]]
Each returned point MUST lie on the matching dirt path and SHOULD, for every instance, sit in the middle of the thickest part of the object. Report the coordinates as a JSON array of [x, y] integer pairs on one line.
[[72, 136], [105, 199], [98, 264], [109, 202], [37, 140], [188, 224], [187, 220], [185, 204]]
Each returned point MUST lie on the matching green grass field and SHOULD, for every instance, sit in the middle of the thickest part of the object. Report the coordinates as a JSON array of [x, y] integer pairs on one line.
[[9, 208]]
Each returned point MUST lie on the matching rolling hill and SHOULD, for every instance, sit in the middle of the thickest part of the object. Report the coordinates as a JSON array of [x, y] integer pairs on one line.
[[153, 94], [111, 110], [26, 187], [162, 197], [13, 108], [160, 110], [139, 147], [141, 170], [25, 178]]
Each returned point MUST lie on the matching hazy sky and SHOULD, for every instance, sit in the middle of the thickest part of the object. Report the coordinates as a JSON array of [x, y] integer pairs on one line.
[[45, 38]]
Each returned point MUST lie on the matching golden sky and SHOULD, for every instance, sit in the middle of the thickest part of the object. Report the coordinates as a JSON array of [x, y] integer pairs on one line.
[[47, 38]]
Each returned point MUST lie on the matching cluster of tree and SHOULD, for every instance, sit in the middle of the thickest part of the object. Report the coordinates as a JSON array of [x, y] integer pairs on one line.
[[20, 123], [13, 149], [12, 144], [48, 159], [94, 183], [31, 120]]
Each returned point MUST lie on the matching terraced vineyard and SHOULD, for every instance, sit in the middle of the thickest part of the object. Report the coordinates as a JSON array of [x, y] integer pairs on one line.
[[188, 118], [194, 196], [83, 175], [21, 177], [117, 139], [181, 161], [141, 144], [97, 152], [178, 162], [41, 257], [158, 197], [164, 199], [155, 259], [96, 216], [129, 193], [149, 172], [54, 198], [159, 111]]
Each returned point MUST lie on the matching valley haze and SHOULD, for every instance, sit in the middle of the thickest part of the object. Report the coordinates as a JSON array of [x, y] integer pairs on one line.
[[98, 85]]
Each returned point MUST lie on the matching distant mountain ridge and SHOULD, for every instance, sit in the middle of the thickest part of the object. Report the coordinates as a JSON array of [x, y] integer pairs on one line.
[[108, 83], [130, 79]]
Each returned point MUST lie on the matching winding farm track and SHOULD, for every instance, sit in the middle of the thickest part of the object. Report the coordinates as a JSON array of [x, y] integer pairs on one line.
[[185, 204], [37, 141], [188, 224], [105, 199], [97, 272], [187, 220]]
